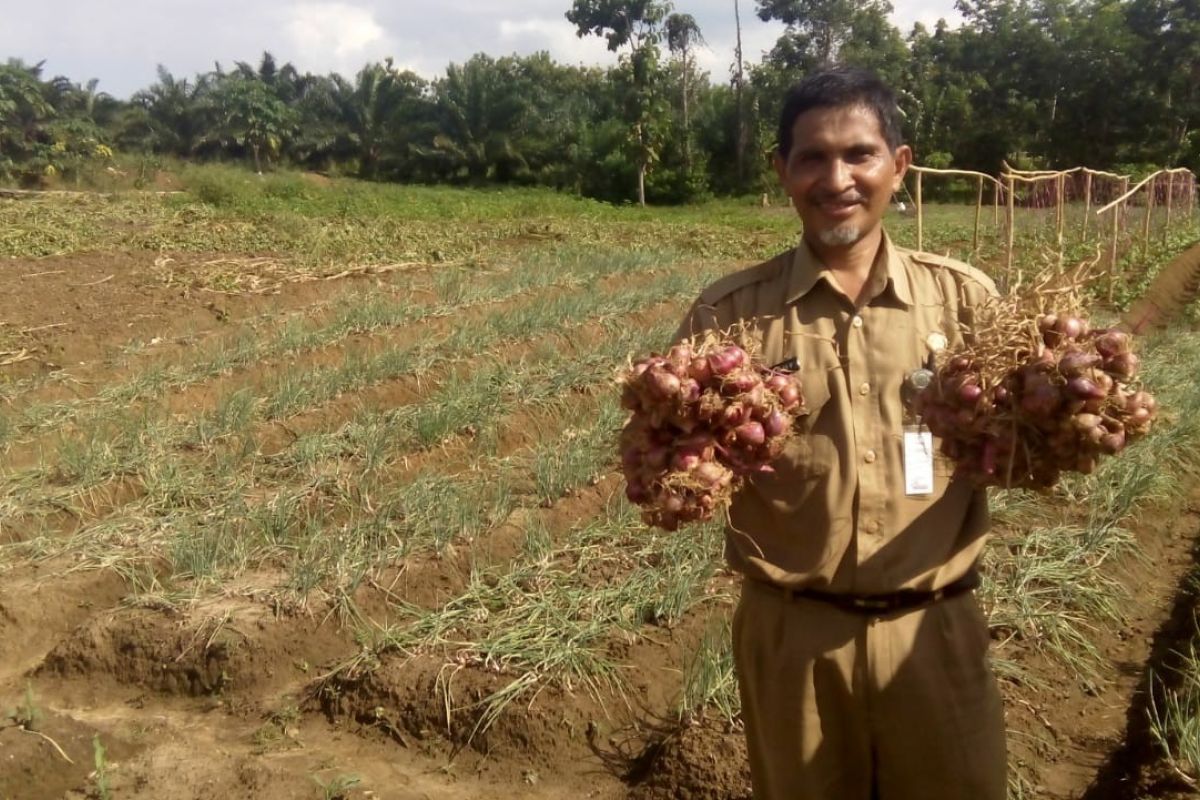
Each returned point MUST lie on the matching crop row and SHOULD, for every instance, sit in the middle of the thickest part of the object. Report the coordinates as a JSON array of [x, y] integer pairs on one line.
[[457, 290]]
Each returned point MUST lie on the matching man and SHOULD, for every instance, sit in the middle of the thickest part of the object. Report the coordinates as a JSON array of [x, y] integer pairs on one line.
[[860, 650]]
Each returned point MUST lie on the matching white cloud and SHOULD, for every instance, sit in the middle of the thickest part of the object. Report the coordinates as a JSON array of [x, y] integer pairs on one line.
[[94, 38], [341, 29], [556, 36]]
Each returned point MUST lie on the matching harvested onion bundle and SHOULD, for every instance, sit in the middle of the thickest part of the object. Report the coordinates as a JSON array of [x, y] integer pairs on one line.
[[1066, 399], [704, 416]]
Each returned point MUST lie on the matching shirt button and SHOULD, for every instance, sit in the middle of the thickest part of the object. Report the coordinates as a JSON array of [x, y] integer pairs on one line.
[[869, 456], [865, 389], [857, 321]]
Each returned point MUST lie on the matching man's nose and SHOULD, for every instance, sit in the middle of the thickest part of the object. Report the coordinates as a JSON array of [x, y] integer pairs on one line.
[[837, 176]]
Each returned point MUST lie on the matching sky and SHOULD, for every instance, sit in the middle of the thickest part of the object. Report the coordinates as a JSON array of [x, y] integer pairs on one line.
[[121, 43]]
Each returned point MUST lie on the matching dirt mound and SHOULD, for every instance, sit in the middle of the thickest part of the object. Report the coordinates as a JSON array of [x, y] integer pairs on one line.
[[234, 649], [699, 762], [423, 697]]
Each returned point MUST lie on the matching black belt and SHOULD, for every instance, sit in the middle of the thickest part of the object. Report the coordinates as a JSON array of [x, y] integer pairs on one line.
[[879, 604]]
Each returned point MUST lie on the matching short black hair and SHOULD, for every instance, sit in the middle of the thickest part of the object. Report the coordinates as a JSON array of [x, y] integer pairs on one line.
[[836, 87]]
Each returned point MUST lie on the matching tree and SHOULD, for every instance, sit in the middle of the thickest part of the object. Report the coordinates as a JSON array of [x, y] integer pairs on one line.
[[819, 28], [739, 78], [171, 118], [682, 35], [24, 115], [638, 24], [482, 110], [247, 114], [369, 112]]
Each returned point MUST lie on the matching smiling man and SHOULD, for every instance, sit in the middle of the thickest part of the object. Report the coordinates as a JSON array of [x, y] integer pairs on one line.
[[860, 650]]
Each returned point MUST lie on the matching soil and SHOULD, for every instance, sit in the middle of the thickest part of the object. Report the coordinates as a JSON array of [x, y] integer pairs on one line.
[[238, 694]]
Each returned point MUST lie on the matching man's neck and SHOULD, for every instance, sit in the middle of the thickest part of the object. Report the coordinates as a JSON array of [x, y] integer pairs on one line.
[[855, 259]]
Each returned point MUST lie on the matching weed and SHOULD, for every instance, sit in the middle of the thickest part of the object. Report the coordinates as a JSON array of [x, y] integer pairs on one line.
[[100, 765], [338, 787], [708, 677], [26, 714]]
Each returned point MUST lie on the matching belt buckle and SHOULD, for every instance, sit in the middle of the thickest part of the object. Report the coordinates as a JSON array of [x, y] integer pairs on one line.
[[869, 604]]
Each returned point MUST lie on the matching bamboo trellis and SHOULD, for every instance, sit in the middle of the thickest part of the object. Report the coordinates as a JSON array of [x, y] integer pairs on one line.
[[1063, 187]]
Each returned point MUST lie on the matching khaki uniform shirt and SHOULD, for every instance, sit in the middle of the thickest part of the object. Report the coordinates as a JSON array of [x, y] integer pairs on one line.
[[834, 514]]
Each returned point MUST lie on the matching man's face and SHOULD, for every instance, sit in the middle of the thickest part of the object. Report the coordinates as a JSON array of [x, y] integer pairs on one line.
[[840, 174]]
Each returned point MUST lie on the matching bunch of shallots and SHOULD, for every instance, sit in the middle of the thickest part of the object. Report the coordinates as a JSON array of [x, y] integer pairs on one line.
[[1068, 399], [704, 416]]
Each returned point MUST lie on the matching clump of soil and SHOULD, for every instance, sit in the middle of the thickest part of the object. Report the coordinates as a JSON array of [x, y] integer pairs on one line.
[[202, 652], [699, 762]]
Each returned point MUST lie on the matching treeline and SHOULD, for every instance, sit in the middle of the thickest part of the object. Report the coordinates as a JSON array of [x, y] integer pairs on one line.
[[1042, 83]]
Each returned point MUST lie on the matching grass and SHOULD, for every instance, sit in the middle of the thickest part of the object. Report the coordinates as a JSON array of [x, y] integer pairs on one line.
[[458, 290], [509, 415], [322, 518], [1174, 714], [549, 619], [709, 682], [135, 441]]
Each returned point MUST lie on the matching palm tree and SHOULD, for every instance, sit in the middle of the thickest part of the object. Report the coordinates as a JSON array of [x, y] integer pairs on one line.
[[482, 112], [370, 110], [173, 113]]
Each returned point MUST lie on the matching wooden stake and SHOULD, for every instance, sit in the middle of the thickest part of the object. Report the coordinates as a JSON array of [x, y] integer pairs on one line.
[[1170, 191], [1116, 232], [1087, 201], [1011, 230], [978, 213], [996, 204], [1112, 253], [1060, 186], [920, 217], [1146, 224]]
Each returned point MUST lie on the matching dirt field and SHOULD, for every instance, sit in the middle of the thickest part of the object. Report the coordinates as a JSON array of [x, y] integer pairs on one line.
[[327, 541]]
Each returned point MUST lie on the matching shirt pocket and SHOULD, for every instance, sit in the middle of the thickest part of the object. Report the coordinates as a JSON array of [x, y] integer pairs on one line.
[[814, 384], [810, 453]]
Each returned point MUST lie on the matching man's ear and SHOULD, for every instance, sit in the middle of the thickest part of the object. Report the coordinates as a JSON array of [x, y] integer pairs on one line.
[[903, 159]]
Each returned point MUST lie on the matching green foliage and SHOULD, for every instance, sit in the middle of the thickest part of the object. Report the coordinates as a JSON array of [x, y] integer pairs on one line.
[[247, 114], [338, 787], [1056, 83], [100, 772], [26, 714]]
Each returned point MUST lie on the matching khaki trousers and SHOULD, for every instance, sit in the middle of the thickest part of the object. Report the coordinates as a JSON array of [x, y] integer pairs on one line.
[[841, 706]]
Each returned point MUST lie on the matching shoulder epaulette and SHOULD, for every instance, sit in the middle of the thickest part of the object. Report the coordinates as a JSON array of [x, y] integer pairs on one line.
[[976, 274], [727, 285]]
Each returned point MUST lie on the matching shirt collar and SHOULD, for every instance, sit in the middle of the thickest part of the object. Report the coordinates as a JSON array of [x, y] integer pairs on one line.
[[806, 269]]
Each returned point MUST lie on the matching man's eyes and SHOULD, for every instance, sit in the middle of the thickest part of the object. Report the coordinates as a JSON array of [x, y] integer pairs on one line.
[[850, 157]]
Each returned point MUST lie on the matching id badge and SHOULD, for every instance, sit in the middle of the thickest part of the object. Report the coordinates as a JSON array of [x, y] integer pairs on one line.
[[918, 461]]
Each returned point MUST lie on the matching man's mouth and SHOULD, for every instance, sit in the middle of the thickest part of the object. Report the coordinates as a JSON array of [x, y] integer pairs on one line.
[[839, 206]]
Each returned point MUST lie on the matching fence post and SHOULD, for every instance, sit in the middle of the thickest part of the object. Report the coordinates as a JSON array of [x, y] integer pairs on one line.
[[920, 216], [1170, 192], [1087, 201], [1149, 210], [1060, 186], [1112, 250], [978, 213], [996, 204], [1008, 265]]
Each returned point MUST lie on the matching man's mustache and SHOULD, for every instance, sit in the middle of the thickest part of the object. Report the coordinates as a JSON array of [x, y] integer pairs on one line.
[[852, 197]]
